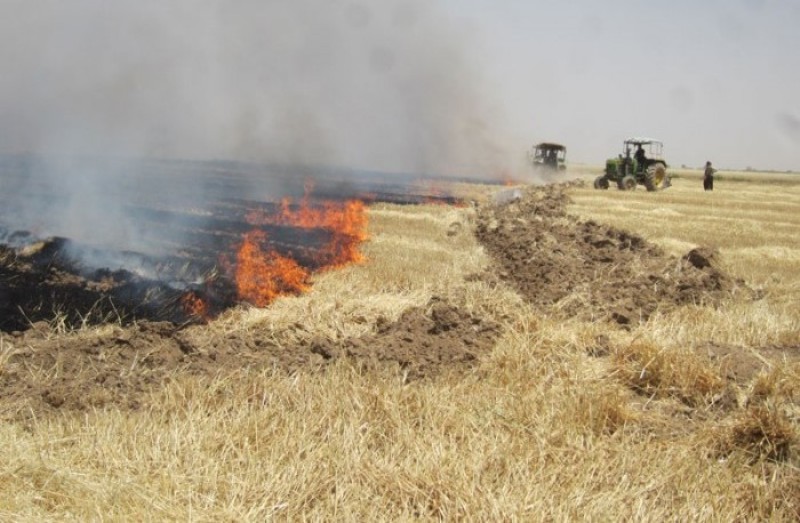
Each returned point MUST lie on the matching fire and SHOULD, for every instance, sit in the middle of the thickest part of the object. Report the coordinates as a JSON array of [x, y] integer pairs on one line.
[[262, 276], [347, 223], [432, 191], [194, 305], [507, 178], [351, 226]]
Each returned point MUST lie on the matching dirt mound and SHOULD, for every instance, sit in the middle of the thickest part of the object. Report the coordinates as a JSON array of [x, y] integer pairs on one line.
[[557, 262], [117, 366], [421, 342], [581, 268], [742, 364]]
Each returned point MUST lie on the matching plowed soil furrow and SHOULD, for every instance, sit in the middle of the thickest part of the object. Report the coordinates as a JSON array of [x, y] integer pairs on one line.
[[575, 268]]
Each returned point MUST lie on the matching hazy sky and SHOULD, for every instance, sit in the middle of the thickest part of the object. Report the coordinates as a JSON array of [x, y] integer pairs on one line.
[[392, 85], [713, 79], [450, 86]]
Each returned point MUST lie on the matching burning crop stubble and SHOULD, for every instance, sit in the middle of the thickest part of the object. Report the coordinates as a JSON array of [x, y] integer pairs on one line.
[[102, 101]]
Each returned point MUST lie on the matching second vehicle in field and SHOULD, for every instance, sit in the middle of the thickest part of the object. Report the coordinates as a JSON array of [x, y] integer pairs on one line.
[[640, 163], [548, 156]]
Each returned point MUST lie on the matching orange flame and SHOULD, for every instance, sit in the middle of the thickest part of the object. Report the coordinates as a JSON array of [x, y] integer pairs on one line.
[[507, 178], [194, 305], [347, 223], [434, 195], [263, 276]]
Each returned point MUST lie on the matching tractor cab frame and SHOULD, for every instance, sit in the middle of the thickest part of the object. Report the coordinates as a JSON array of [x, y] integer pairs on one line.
[[548, 155]]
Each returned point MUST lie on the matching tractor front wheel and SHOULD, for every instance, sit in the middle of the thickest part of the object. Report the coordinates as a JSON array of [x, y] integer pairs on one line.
[[655, 178], [601, 182], [627, 183]]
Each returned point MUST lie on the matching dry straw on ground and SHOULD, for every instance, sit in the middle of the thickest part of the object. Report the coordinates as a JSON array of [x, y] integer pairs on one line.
[[562, 420]]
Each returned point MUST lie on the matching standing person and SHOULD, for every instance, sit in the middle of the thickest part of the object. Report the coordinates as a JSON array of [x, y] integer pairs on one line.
[[708, 177]]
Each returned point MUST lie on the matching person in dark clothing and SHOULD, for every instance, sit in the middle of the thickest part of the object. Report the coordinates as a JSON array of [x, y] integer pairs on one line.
[[552, 158], [626, 162], [640, 158], [708, 177]]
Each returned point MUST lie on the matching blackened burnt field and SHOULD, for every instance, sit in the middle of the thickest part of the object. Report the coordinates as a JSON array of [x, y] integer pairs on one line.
[[89, 241]]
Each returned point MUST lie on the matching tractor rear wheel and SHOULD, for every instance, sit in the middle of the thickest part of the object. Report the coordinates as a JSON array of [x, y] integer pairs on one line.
[[655, 178], [601, 182], [627, 183]]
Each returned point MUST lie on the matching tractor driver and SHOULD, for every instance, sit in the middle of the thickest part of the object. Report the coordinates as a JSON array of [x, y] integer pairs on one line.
[[626, 161], [552, 158], [640, 157]]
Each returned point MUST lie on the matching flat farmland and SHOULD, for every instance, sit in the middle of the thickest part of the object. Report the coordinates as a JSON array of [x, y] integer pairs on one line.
[[573, 354]]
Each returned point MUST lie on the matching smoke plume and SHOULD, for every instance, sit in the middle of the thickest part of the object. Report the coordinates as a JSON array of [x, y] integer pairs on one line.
[[307, 81], [114, 111]]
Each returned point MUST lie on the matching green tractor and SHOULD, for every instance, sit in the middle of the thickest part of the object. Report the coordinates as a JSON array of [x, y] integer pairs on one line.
[[641, 163]]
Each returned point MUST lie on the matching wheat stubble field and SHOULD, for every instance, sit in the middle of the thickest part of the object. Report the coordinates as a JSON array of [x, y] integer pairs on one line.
[[501, 402]]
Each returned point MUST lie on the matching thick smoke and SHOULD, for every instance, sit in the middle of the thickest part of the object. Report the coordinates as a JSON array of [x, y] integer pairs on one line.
[[94, 90], [308, 81]]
